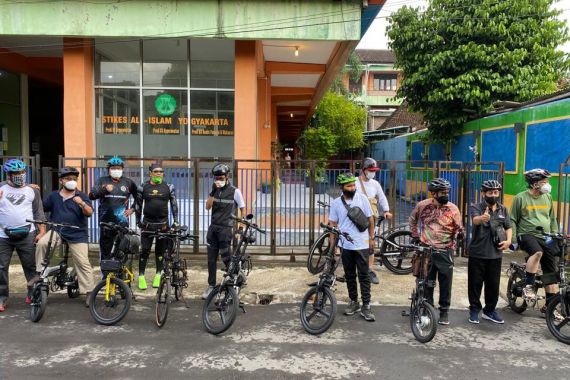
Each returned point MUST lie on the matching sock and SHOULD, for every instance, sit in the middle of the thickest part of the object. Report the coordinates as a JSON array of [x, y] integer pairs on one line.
[[549, 297], [529, 278]]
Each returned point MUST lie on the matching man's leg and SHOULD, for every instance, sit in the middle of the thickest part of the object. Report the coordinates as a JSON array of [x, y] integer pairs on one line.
[[492, 282], [361, 261], [445, 279], [224, 245], [475, 277], [106, 241], [146, 244], [349, 265], [430, 285], [42, 247], [213, 247], [27, 253], [6, 250], [549, 264], [80, 254], [532, 246]]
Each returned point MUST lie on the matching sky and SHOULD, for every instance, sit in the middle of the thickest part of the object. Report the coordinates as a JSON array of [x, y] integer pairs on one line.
[[375, 37]]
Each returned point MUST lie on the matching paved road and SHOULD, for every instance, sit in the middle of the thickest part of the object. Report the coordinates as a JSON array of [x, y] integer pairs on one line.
[[268, 342]]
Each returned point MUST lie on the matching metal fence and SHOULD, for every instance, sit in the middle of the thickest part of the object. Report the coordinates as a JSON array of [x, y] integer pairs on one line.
[[563, 211], [32, 167]]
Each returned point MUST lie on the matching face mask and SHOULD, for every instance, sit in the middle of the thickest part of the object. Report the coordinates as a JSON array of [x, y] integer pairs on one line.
[[348, 194], [18, 180], [156, 180], [545, 189], [70, 185], [220, 183], [491, 200], [116, 173], [442, 200], [370, 175]]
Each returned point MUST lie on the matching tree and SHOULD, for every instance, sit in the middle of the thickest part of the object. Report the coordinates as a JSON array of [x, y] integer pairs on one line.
[[459, 57], [354, 70]]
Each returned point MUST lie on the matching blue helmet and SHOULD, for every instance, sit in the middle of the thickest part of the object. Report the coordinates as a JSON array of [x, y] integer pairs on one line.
[[14, 165], [115, 161]]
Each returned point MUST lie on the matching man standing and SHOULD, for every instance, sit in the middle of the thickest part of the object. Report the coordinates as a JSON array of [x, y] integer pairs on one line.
[[223, 200], [491, 236], [371, 188], [113, 191], [18, 202], [531, 209], [354, 254], [152, 215], [72, 206], [436, 222]]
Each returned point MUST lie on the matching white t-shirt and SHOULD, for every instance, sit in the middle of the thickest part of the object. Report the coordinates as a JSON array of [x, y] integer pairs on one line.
[[374, 190], [339, 215], [238, 199], [18, 204]]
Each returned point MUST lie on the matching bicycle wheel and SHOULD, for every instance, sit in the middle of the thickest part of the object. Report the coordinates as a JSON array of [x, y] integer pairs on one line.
[[73, 289], [108, 307], [39, 302], [162, 301], [558, 318], [515, 297], [318, 310], [220, 309], [318, 253], [393, 257], [178, 292], [423, 322]]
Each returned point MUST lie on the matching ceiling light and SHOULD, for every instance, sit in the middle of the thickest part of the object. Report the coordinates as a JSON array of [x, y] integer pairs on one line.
[[291, 115], [110, 76], [296, 51]]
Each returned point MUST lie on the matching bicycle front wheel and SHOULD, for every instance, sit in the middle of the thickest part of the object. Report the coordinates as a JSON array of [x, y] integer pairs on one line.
[[558, 318], [38, 305], [220, 309], [318, 253], [515, 297], [109, 306], [318, 310], [423, 322], [73, 289], [162, 301], [396, 259]]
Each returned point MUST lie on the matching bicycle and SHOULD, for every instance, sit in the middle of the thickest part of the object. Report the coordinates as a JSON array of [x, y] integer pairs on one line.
[[220, 308], [423, 318], [173, 273], [319, 303], [111, 298], [319, 249], [52, 278]]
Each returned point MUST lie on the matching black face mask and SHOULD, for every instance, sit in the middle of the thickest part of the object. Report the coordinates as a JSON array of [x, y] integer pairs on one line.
[[491, 200], [348, 194], [443, 199]]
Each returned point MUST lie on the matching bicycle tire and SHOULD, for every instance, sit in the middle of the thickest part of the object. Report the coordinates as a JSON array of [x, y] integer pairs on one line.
[[225, 300], [162, 301], [178, 290], [401, 266], [318, 297], [420, 315], [38, 305], [317, 254], [120, 301], [555, 329], [73, 290], [515, 298]]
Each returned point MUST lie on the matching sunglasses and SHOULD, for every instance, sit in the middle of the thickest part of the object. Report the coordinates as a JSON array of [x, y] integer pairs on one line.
[[158, 171]]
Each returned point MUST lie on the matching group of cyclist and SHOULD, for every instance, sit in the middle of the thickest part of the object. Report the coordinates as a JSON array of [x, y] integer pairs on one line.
[[152, 203]]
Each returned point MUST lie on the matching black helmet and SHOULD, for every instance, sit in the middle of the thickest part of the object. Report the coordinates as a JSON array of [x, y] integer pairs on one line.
[[68, 170], [491, 184], [438, 184], [536, 175], [221, 169], [369, 164]]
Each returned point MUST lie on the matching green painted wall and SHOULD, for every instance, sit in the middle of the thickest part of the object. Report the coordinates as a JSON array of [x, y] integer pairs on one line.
[[276, 19], [382, 100]]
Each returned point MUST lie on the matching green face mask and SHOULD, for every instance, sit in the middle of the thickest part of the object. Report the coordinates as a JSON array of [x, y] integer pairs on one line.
[[156, 180]]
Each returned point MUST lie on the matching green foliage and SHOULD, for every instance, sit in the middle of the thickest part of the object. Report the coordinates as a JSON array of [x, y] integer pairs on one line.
[[354, 70], [318, 143], [459, 57]]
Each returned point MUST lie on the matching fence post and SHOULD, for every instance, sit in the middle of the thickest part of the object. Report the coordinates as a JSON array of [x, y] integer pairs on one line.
[[273, 221], [196, 205], [311, 202], [47, 182], [37, 169], [393, 193]]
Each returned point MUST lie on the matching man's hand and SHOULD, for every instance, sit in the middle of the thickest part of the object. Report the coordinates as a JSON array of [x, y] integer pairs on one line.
[[388, 215], [485, 217], [108, 188], [504, 245], [77, 199], [39, 236], [128, 212], [213, 191], [175, 225], [34, 186]]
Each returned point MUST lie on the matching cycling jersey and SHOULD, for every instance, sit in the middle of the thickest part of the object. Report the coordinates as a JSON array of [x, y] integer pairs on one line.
[[113, 204], [153, 200]]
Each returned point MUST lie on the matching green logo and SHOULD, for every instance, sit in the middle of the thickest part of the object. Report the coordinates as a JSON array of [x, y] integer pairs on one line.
[[165, 104]]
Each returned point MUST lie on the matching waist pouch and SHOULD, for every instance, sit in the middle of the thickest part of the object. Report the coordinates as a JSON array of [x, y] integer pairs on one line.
[[356, 216], [18, 233]]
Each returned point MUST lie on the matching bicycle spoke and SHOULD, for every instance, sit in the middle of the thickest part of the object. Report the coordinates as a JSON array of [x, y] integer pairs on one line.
[[562, 324], [315, 312]]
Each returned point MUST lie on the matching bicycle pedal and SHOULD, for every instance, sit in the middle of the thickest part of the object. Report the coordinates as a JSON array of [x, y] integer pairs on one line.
[[405, 313], [242, 307]]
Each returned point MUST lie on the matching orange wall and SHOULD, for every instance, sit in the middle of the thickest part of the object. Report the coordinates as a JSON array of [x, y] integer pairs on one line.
[[78, 128], [246, 100]]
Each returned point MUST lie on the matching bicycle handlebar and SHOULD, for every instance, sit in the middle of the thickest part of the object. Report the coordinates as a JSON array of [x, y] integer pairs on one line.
[[337, 231], [421, 248], [247, 223], [323, 204], [118, 227], [173, 233], [53, 224], [554, 235]]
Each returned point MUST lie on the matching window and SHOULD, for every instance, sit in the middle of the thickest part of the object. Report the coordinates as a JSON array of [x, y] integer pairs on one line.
[[385, 82], [117, 63], [165, 63]]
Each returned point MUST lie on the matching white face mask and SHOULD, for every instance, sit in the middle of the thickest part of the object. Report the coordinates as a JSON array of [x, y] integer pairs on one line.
[[70, 185], [220, 183], [116, 173], [545, 189], [370, 175]]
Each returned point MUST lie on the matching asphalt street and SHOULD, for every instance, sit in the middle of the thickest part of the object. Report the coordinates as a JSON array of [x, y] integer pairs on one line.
[[269, 342]]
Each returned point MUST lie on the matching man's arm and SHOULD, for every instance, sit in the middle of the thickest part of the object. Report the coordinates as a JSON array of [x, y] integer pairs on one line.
[[97, 191], [238, 199], [382, 200], [38, 212], [139, 205], [515, 215], [414, 222], [554, 227], [84, 204]]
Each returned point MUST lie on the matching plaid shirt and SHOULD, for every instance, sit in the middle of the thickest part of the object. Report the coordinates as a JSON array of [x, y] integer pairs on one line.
[[437, 224]]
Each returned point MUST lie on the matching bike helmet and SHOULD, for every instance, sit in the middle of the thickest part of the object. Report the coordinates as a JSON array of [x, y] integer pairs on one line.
[[115, 161], [345, 178], [536, 175], [369, 164], [438, 184], [68, 170], [14, 165], [491, 184], [221, 169]]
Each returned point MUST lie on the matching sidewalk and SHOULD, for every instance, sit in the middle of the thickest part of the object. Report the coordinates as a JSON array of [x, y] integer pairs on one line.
[[279, 283]]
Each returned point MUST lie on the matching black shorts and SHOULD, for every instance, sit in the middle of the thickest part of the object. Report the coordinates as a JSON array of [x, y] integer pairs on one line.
[[550, 253]]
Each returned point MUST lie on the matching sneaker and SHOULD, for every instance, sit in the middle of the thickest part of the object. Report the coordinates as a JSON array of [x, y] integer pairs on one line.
[[367, 314], [353, 307], [34, 279], [557, 316], [493, 316], [474, 317], [373, 277], [156, 281], [529, 293], [207, 292], [87, 297], [443, 318], [142, 283], [28, 300]]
